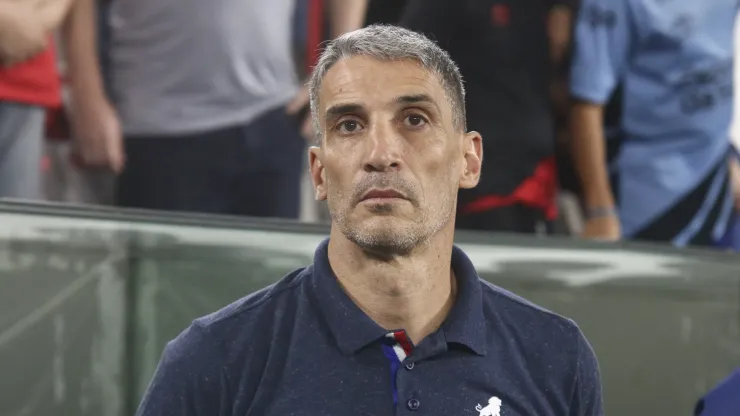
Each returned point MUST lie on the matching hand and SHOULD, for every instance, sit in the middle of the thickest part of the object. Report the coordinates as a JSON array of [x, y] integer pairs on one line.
[[735, 178], [22, 35], [298, 103], [604, 228], [98, 137]]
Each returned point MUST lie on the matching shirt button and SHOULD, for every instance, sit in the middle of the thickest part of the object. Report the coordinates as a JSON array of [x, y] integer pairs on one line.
[[413, 404], [410, 366]]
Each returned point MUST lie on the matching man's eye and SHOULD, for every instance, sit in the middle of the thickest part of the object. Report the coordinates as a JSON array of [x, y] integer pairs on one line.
[[415, 120], [348, 126]]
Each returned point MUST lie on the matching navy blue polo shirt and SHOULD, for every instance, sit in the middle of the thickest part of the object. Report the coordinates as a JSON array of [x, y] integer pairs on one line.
[[302, 347]]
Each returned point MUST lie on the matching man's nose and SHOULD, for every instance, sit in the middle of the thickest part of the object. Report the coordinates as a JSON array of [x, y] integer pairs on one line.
[[384, 148]]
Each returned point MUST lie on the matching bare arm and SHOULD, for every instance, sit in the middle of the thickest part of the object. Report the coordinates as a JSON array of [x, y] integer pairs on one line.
[[96, 127], [589, 155], [735, 178], [602, 45], [559, 34], [559, 29], [80, 40], [346, 15]]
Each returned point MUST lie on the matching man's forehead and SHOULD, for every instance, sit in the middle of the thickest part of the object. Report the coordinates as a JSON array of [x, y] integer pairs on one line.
[[362, 77]]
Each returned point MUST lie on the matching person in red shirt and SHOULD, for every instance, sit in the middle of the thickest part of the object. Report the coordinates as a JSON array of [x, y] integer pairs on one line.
[[30, 85]]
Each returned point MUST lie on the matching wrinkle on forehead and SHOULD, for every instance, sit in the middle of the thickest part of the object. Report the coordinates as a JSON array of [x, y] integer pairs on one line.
[[349, 80]]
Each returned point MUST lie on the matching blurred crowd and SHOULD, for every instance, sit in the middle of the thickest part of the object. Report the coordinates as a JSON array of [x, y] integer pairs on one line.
[[610, 120]]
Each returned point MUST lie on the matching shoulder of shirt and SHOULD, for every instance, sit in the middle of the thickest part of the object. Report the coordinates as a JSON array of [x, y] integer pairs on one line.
[[551, 336], [254, 303], [518, 306], [214, 340]]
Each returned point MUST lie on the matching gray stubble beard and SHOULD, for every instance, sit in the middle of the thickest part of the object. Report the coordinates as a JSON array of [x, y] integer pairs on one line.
[[391, 243]]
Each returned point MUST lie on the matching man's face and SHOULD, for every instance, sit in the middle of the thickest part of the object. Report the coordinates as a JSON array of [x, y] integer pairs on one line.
[[391, 161]]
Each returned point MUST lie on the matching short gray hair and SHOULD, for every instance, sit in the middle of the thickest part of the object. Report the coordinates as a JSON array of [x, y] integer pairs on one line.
[[391, 43]]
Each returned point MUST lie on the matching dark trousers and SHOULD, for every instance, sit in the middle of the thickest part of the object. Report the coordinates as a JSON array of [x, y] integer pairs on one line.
[[253, 169]]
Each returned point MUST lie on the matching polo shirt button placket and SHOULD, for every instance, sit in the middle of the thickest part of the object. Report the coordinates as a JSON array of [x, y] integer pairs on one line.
[[413, 404], [410, 366]]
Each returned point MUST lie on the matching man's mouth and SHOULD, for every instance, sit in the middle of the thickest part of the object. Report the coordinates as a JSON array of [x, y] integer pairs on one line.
[[381, 195]]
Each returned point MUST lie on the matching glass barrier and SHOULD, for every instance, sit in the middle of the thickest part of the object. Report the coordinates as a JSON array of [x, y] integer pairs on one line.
[[89, 298], [62, 320]]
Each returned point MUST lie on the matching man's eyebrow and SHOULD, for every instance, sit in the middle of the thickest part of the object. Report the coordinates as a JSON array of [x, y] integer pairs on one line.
[[416, 99], [339, 110]]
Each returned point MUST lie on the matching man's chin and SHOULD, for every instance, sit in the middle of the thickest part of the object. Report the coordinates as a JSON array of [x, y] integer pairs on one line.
[[379, 225], [388, 238], [384, 246]]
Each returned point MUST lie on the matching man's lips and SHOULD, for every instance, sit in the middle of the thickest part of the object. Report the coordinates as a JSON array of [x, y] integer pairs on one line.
[[382, 194]]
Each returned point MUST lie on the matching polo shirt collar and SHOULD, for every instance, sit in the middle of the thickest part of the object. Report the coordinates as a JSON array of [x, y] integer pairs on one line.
[[351, 327], [354, 330], [466, 323]]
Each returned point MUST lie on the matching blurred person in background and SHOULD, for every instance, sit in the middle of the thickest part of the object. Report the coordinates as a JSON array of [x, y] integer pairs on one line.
[[509, 52], [210, 103], [30, 85], [384, 11], [732, 239], [652, 83]]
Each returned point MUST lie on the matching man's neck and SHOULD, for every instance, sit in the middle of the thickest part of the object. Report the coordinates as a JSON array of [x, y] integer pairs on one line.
[[414, 292]]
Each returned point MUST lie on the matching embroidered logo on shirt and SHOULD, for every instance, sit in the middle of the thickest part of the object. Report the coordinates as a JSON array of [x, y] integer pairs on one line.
[[493, 408]]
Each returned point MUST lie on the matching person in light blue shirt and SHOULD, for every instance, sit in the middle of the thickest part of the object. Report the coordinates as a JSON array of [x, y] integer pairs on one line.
[[652, 86]]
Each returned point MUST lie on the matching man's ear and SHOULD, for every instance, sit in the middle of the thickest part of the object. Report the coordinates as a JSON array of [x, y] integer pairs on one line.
[[473, 160], [318, 174]]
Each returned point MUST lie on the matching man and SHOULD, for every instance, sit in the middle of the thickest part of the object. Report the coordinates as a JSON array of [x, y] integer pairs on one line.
[[665, 68], [391, 317], [210, 103], [508, 52], [29, 85]]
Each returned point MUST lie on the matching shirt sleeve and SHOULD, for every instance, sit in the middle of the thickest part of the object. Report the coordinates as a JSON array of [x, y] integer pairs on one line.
[[189, 380], [434, 18], [587, 399], [603, 36]]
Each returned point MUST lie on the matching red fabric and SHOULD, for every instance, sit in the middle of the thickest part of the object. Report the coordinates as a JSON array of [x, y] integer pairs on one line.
[[404, 341], [35, 81], [57, 124], [315, 32], [500, 15], [537, 191]]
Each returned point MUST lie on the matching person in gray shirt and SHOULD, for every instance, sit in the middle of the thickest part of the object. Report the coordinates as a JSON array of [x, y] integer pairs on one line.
[[210, 104]]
